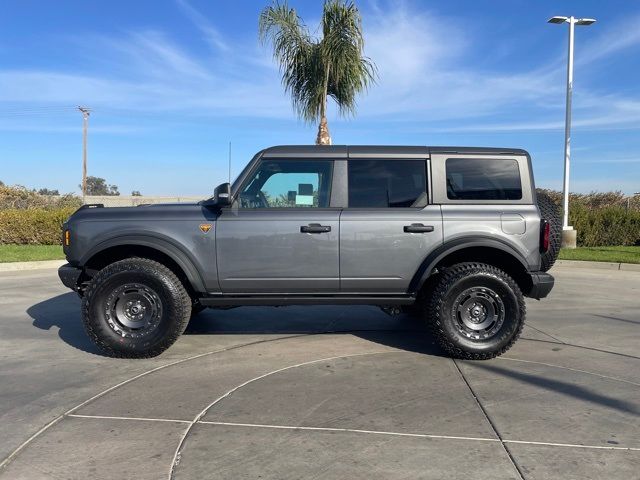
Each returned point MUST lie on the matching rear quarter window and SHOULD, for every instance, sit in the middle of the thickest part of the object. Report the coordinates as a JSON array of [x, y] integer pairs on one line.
[[483, 179]]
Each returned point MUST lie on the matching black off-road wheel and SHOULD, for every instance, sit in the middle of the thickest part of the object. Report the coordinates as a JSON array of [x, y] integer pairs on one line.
[[135, 308], [550, 212], [475, 311]]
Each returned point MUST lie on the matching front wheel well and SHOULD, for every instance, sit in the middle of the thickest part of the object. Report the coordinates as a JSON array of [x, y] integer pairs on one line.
[[120, 252], [491, 256]]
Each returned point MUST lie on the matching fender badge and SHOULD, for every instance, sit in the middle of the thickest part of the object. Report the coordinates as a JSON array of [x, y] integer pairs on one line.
[[205, 227]]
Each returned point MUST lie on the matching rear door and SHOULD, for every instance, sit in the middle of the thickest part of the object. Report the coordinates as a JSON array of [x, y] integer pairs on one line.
[[281, 235], [389, 226]]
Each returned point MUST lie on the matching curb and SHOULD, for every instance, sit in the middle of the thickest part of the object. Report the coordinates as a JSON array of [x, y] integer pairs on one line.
[[599, 265], [21, 266]]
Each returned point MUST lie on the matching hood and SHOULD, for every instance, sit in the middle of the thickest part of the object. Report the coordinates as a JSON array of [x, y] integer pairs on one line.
[[157, 211]]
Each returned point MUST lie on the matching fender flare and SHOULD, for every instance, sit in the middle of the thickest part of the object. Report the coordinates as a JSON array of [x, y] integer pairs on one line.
[[159, 243], [429, 263]]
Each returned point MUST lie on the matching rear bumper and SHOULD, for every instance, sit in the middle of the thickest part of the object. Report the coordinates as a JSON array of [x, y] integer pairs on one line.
[[69, 276], [541, 285]]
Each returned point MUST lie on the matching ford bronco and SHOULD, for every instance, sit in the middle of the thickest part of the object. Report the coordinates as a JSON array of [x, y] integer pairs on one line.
[[457, 236]]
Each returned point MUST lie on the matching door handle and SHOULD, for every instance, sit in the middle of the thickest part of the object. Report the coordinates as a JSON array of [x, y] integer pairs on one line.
[[418, 228], [315, 228]]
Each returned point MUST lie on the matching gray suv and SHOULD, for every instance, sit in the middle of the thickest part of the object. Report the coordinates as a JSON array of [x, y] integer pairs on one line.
[[456, 236]]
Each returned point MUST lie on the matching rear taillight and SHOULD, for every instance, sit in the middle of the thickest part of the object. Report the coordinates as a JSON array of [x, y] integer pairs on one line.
[[545, 232]]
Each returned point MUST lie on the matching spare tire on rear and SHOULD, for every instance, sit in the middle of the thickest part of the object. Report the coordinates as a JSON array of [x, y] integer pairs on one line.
[[550, 212]]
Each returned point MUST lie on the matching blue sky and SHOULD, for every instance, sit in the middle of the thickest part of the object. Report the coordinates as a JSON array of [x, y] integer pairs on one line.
[[171, 82]]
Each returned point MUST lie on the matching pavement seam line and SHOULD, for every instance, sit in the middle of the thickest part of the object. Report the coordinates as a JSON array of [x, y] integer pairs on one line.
[[571, 369], [350, 430], [488, 419], [358, 430], [197, 419], [419, 435], [53, 422], [141, 419], [544, 333], [573, 445]]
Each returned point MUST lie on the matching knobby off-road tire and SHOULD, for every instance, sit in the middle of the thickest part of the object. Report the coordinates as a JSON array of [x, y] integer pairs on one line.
[[135, 308], [475, 311], [550, 212]]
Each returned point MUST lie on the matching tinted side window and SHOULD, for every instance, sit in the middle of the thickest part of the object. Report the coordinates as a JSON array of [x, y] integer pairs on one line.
[[387, 183], [288, 184], [483, 179]]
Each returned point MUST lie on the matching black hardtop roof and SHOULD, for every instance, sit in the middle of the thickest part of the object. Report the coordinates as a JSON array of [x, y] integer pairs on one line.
[[390, 151]]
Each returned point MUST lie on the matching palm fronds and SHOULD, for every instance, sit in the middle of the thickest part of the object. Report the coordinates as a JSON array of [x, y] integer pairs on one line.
[[313, 69]]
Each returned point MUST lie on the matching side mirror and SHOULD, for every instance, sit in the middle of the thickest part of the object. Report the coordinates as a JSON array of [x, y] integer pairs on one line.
[[222, 195]]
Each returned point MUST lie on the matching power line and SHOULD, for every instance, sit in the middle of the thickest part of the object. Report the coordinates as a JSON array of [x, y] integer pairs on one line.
[[16, 111]]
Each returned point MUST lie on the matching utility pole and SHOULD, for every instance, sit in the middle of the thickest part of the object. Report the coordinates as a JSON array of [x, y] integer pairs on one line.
[[229, 162], [85, 126], [569, 235]]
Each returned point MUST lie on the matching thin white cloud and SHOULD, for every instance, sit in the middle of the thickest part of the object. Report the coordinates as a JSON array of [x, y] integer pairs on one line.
[[613, 39], [147, 71], [606, 160], [211, 33], [426, 76]]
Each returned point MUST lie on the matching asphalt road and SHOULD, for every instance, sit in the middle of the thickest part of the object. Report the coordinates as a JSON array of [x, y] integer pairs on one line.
[[324, 392]]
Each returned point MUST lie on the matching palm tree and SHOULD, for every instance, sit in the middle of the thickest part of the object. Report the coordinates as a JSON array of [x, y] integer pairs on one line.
[[313, 69]]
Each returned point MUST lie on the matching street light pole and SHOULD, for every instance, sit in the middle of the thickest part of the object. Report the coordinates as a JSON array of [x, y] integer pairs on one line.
[[567, 131], [569, 235], [85, 125]]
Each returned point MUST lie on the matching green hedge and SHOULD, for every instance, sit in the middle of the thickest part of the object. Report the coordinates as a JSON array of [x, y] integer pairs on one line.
[[607, 226], [602, 218], [33, 226]]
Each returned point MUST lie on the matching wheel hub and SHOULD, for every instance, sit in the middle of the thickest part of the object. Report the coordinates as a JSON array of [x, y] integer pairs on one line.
[[133, 310], [479, 313]]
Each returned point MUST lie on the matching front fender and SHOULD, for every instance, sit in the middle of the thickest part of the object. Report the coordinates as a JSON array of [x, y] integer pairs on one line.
[[158, 242]]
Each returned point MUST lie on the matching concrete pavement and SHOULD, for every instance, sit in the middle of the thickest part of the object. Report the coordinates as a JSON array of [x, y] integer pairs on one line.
[[324, 392]]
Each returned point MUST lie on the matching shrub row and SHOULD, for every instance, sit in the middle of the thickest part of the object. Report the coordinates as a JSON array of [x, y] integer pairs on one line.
[[602, 219], [17, 197], [607, 226], [596, 200], [33, 226]]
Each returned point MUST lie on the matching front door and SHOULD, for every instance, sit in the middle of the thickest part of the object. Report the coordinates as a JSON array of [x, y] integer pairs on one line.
[[280, 236], [389, 227]]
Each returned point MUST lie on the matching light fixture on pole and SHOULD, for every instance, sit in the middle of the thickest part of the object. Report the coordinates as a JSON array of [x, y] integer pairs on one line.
[[568, 233]]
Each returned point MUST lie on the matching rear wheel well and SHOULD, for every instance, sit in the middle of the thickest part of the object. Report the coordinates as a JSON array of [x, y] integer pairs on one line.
[[120, 252], [491, 256]]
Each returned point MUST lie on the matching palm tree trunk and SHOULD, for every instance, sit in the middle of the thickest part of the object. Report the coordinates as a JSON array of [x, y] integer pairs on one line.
[[323, 137]]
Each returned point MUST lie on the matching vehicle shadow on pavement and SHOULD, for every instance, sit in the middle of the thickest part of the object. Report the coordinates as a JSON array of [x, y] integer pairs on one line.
[[63, 312], [369, 323]]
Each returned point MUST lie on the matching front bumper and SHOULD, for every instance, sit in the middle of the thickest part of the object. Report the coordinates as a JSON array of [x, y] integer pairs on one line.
[[541, 285], [69, 276]]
